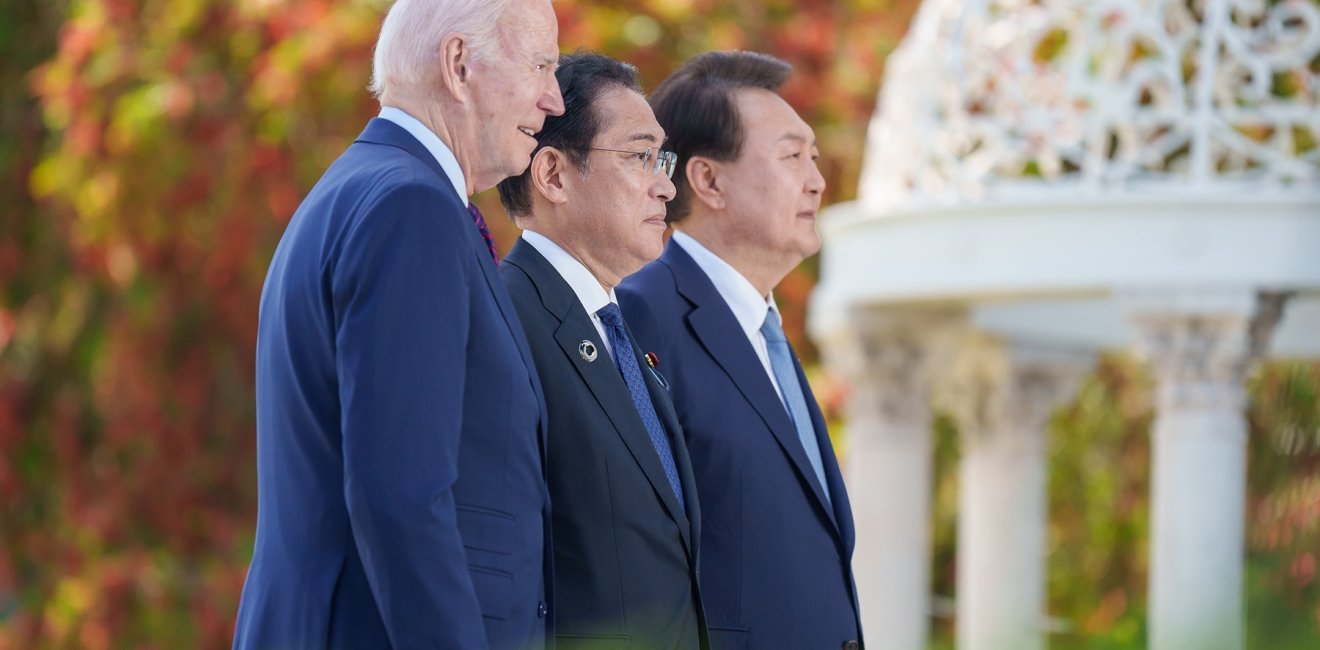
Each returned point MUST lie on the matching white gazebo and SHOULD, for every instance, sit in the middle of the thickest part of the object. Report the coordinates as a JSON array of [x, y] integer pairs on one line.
[[1045, 179]]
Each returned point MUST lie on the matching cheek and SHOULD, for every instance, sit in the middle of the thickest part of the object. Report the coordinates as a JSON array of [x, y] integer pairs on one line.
[[519, 100], [763, 183], [752, 190], [634, 205], [775, 188], [630, 194]]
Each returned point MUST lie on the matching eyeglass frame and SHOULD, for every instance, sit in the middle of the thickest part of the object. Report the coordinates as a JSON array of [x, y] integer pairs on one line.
[[661, 156]]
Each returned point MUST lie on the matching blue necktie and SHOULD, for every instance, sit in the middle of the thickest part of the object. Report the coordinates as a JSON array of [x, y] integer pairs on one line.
[[781, 363], [624, 358]]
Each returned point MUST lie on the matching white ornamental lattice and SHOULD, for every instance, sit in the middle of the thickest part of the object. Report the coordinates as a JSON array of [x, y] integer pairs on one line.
[[1004, 99]]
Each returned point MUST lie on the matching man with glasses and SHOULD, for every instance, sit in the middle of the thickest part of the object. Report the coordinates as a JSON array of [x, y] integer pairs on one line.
[[625, 521], [778, 538]]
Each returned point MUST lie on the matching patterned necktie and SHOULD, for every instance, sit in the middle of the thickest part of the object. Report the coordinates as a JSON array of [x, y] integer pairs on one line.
[[485, 232], [624, 358], [781, 363]]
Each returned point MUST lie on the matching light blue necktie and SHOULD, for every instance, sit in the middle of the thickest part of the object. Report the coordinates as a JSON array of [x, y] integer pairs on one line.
[[781, 363], [612, 319]]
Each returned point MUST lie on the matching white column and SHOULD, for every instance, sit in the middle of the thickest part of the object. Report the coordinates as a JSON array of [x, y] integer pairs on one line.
[[1199, 345], [886, 358], [1002, 396]]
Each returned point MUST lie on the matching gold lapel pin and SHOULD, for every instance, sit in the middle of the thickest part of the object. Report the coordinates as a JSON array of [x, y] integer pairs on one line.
[[588, 351], [652, 360]]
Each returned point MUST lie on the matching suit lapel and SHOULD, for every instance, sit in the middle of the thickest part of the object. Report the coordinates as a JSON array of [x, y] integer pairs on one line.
[[511, 321], [664, 407], [488, 271], [719, 332], [600, 376], [385, 132], [838, 491]]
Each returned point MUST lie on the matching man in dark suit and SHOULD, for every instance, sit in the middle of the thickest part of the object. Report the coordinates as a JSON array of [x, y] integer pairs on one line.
[[777, 532], [401, 496], [626, 518]]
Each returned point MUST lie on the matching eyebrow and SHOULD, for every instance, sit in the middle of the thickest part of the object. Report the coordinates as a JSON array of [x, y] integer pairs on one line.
[[793, 137], [647, 137]]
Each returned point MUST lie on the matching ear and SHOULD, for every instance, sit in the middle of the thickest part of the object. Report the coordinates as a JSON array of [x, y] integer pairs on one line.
[[550, 175], [455, 58], [703, 176]]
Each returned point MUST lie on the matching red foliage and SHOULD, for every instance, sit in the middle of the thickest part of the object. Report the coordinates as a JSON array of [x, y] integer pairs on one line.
[[182, 137]]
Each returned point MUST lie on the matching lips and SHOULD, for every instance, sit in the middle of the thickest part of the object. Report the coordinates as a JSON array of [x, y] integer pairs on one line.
[[527, 132]]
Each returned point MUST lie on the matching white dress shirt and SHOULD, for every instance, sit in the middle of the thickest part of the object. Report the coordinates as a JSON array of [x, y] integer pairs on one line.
[[589, 290], [749, 306], [442, 153]]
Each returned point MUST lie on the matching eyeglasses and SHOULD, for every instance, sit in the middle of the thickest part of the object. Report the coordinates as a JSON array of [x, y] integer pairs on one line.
[[654, 160]]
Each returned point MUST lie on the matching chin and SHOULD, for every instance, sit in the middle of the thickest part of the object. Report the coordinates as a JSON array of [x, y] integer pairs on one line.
[[518, 164], [647, 254], [809, 242]]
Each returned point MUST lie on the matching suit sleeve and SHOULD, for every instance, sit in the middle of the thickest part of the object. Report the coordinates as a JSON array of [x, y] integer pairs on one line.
[[401, 299]]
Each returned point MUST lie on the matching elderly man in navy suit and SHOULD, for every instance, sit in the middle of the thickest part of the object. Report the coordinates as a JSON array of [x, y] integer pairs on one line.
[[626, 518], [777, 535], [401, 493]]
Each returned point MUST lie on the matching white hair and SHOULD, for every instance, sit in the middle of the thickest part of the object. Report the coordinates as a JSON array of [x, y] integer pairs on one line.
[[407, 53]]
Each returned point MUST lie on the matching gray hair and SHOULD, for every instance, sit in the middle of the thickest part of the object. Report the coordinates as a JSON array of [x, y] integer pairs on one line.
[[407, 52]]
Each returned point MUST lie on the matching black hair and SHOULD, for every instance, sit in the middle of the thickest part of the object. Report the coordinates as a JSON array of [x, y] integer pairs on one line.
[[695, 107], [583, 77]]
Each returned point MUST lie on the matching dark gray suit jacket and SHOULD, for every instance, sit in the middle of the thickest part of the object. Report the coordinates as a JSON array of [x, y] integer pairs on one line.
[[625, 552]]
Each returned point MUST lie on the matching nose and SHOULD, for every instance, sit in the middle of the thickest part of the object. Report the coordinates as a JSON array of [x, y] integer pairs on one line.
[[815, 180], [663, 189], [551, 101]]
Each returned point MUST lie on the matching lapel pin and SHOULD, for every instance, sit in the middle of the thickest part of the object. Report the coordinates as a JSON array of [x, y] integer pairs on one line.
[[652, 360], [588, 351]]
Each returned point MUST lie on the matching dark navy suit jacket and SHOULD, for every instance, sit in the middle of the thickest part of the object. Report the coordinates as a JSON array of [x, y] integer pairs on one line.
[[401, 496], [625, 551], [776, 559]]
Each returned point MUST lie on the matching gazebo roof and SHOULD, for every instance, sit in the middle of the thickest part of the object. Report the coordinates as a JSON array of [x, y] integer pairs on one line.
[[990, 101]]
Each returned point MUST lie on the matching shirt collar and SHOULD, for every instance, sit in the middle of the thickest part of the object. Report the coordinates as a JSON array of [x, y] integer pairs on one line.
[[588, 289], [748, 306], [439, 150]]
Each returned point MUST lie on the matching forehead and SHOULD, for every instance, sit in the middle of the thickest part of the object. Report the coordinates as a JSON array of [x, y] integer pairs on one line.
[[625, 115], [767, 119], [529, 27]]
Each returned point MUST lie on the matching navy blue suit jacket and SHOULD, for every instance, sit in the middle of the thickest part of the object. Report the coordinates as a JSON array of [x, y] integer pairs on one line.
[[775, 558], [401, 496], [625, 549]]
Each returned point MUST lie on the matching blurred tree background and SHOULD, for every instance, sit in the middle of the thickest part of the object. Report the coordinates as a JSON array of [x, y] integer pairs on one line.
[[152, 152]]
